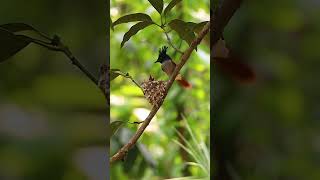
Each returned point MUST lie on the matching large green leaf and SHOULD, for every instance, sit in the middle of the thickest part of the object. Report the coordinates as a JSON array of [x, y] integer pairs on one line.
[[171, 5], [115, 125], [134, 30], [184, 29], [157, 4], [132, 18], [10, 44]]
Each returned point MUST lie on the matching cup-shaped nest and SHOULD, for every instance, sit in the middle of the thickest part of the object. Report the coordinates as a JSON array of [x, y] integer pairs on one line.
[[154, 90]]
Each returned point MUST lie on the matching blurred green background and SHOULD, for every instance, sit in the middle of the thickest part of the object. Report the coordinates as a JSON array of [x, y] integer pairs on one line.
[[156, 156], [52, 118], [270, 129]]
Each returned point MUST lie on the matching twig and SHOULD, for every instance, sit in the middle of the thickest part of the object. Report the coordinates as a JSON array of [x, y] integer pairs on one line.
[[62, 48], [124, 150], [170, 42], [75, 62], [135, 82]]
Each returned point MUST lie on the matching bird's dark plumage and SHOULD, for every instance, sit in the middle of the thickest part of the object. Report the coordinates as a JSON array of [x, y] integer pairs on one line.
[[163, 56]]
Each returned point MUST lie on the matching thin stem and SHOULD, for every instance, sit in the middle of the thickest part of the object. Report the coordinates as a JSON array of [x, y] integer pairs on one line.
[[44, 35], [170, 42], [162, 26], [75, 62], [136, 83], [62, 48]]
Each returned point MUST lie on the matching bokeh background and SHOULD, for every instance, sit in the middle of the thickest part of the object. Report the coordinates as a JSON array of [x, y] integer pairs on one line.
[[270, 129], [156, 156], [52, 118]]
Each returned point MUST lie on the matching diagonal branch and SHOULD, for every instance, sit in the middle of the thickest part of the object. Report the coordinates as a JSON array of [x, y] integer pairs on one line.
[[124, 150]]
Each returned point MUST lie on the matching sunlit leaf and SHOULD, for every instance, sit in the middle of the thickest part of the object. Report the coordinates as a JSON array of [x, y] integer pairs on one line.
[[170, 6], [184, 29], [10, 44], [115, 125], [132, 18], [134, 30], [157, 4], [114, 73]]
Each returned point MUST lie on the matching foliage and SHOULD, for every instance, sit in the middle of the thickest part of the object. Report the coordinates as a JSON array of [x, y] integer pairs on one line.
[[270, 129], [52, 119], [184, 29], [155, 150], [197, 149]]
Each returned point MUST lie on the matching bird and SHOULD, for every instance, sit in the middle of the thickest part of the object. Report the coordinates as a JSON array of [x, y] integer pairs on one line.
[[168, 66], [231, 63]]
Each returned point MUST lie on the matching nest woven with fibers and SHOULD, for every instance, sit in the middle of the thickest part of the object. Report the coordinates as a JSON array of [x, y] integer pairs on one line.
[[154, 90]]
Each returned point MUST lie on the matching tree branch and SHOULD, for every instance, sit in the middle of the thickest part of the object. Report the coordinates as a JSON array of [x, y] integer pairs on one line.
[[124, 150], [221, 17]]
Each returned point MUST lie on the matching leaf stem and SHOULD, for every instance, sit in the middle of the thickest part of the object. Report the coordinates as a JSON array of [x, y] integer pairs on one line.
[[170, 42], [130, 77]]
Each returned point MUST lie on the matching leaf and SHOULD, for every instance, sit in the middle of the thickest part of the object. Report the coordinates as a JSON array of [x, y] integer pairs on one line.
[[184, 29], [114, 73], [10, 44], [16, 27], [132, 18], [115, 125], [134, 30], [171, 5], [157, 4], [199, 26]]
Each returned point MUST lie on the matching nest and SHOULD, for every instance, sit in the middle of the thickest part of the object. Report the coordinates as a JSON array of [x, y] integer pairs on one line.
[[154, 90]]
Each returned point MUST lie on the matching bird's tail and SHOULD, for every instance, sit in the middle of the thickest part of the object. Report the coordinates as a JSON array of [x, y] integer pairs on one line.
[[182, 82]]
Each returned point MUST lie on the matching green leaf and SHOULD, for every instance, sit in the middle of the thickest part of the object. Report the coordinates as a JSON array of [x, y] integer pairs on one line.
[[157, 4], [16, 27], [10, 44], [132, 18], [115, 125], [196, 27], [114, 73], [171, 5], [184, 29], [134, 30]]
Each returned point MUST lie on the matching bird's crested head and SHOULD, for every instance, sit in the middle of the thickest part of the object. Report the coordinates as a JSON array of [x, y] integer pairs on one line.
[[163, 55]]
